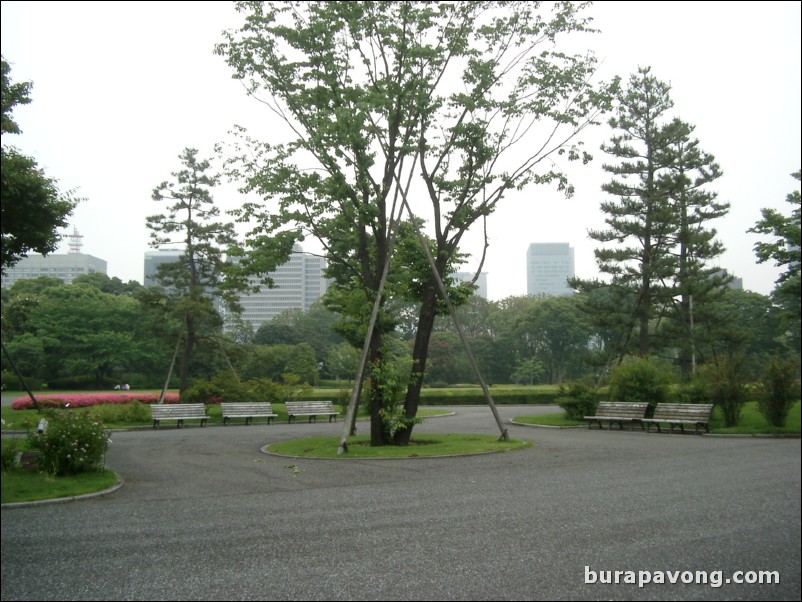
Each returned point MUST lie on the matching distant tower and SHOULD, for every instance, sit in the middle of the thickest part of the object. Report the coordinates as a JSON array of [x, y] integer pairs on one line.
[[75, 241], [548, 268]]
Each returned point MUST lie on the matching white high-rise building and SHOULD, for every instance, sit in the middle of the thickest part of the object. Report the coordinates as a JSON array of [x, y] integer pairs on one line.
[[549, 265], [296, 285]]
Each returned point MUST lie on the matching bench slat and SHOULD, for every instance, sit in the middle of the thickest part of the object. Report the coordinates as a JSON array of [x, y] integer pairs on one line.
[[618, 412], [247, 410], [313, 409], [680, 414], [179, 412]]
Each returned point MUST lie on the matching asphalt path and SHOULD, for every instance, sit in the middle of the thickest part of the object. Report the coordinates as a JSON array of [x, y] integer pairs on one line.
[[204, 514]]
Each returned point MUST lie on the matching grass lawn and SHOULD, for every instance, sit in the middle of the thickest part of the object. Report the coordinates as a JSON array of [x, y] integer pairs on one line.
[[751, 422], [27, 486], [426, 445]]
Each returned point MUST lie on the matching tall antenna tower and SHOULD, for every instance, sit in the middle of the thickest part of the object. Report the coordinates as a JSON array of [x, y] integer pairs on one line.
[[75, 241]]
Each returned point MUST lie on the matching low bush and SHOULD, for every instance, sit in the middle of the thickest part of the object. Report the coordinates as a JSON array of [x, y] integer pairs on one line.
[[580, 400], [72, 443], [778, 391], [726, 381], [640, 380], [11, 382], [84, 400], [134, 412]]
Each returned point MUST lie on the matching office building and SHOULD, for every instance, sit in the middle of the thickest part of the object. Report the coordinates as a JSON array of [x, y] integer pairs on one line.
[[548, 268], [296, 285], [153, 259], [67, 266]]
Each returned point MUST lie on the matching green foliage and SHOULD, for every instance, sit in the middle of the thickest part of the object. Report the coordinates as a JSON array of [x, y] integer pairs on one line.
[[74, 442], [122, 413], [693, 391], [779, 390], [264, 390], [726, 381], [577, 401], [10, 382], [224, 386], [639, 380], [8, 452], [785, 250]]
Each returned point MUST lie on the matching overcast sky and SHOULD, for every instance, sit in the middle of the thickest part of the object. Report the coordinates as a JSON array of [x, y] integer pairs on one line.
[[121, 88]]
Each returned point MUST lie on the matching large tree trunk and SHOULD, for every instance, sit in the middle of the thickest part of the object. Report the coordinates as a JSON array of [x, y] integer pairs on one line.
[[420, 352], [378, 436]]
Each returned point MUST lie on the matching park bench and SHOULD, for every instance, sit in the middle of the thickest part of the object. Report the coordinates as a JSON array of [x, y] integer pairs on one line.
[[313, 409], [248, 411], [618, 411], [179, 412], [681, 414]]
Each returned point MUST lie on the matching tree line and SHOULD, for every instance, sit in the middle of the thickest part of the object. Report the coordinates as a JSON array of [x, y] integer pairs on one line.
[[99, 331]]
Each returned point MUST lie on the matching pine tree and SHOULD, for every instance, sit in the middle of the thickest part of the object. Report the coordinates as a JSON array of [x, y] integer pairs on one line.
[[641, 214], [690, 171]]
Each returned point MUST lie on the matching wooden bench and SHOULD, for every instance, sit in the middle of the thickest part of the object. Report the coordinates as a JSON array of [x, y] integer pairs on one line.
[[179, 412], [681, 414], [313, 409], [618, 411], [248, 411]]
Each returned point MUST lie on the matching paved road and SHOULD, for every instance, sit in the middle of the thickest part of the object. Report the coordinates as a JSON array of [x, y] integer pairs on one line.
[[204, 515]]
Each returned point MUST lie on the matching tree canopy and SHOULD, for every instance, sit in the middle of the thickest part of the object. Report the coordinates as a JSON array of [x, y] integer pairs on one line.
[[451, 103]]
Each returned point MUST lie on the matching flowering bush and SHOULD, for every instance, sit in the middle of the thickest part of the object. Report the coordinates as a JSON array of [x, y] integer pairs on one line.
[[84, 400], [73, 442]]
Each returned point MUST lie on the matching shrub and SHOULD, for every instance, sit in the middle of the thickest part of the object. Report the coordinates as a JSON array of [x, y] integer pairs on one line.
[[8, 453], [223, 387], [264, 389], [726, 382], [74, 442], [83, 400], [779, 390], [694, 391], [579, 401], [129, 413], [11, 382], [640, 380]]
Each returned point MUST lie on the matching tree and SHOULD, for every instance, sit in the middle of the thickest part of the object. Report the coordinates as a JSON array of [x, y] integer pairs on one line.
[[641, 214], [689, 171], [198, 276], [557, 334], [32, 207], [375, 94], [785, 250], [659, 219]]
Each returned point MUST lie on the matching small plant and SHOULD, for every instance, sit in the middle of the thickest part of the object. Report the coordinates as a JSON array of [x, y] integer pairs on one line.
[[578, 401], [72, 443], [726, 382], [640, 380], [779, 390], [10, 448]]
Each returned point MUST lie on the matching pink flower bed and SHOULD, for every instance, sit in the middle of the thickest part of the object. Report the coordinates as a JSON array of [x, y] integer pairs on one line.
[[83, 400]]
